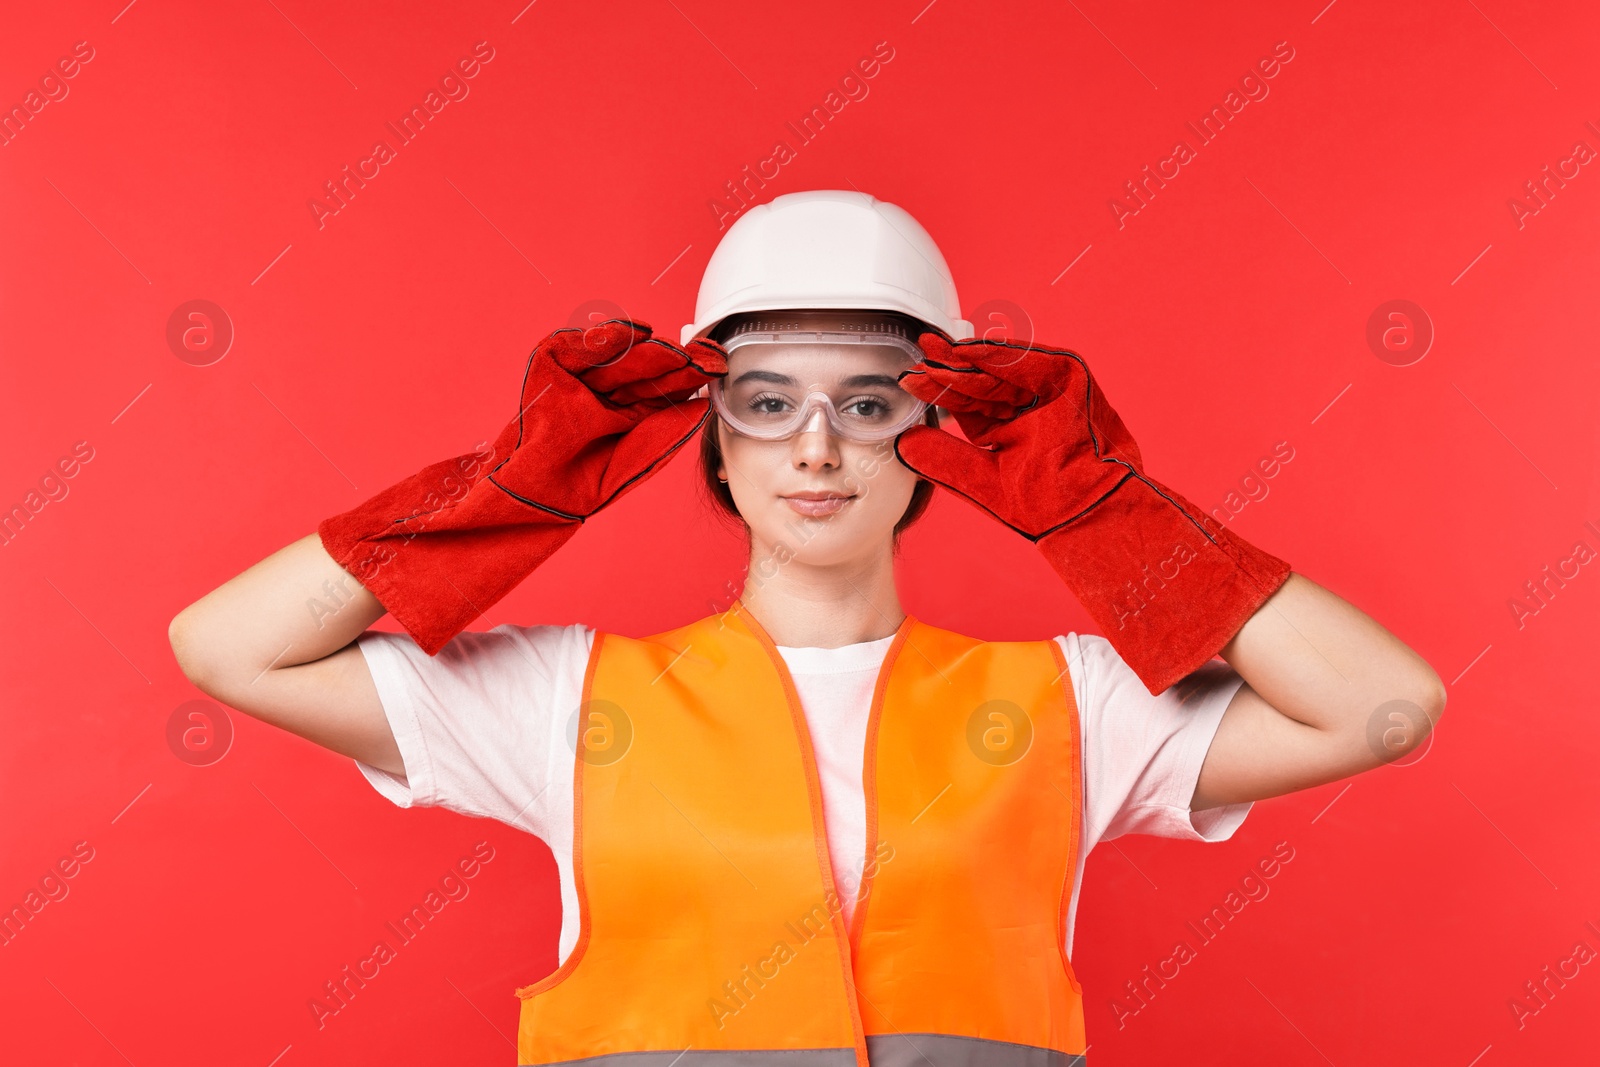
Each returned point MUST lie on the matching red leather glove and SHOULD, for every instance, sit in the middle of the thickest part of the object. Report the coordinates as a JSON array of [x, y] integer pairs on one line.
[[602, 410], [1167, 584]]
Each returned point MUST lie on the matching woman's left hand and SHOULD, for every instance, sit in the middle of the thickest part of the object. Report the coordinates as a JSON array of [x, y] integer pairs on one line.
[[1057, 445], [1168, 585]]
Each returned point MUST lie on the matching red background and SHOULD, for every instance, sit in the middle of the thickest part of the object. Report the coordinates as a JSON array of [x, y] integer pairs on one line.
[[1224, 317]]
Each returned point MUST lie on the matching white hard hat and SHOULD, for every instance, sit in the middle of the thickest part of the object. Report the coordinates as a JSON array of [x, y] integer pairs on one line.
[[833, 249]]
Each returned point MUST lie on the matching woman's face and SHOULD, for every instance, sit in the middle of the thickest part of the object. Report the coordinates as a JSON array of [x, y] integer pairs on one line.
[[865, 488]]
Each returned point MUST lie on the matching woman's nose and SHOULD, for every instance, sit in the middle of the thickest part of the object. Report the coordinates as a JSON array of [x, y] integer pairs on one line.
[[816, 421], [813, 444]]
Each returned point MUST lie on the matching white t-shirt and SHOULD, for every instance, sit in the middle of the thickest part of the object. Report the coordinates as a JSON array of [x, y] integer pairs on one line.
[[482, 729]]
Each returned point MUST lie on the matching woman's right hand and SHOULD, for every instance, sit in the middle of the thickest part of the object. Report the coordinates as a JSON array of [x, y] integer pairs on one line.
[[600, 411]]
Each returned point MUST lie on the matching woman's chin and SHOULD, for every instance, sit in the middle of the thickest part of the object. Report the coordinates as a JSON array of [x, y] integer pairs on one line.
[[822, 542]]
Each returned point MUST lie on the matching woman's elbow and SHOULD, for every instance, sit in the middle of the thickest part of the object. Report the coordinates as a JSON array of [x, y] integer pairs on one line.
[[1437, 691], [186, 635], [1404, 722], [1428, 690]]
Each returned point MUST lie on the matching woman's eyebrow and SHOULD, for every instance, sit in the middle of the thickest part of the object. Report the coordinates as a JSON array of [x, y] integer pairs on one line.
[[764, 376], [855, 381]]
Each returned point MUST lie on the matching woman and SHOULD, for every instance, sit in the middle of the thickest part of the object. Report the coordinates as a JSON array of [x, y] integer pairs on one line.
[[810, 827]]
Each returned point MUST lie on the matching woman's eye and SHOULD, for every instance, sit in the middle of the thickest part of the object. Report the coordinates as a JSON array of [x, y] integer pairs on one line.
[[767, 404], [868, 407]]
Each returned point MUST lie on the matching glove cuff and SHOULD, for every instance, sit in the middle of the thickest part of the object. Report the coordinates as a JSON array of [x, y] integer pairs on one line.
[[1167, 584], [441, 547]]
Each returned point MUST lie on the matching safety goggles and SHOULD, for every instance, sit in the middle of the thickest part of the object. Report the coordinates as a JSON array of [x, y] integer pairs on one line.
[[811, 371]]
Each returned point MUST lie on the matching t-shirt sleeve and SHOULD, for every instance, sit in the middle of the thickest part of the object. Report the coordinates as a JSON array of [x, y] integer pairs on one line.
[[1142, 754], [480, 726]]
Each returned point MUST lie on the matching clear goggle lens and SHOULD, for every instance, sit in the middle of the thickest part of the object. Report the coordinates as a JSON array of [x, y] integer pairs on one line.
[[788, 381]]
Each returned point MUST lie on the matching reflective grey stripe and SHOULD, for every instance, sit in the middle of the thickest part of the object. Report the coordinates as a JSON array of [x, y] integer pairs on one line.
[[776, 1057], [949, 1050], [883, 1050]]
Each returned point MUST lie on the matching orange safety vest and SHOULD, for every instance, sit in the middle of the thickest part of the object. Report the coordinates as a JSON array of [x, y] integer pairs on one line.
[[711, 930]]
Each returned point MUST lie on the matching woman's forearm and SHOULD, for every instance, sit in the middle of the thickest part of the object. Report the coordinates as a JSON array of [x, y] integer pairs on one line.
[[1321, 661], [295, 606], [1328, 693]]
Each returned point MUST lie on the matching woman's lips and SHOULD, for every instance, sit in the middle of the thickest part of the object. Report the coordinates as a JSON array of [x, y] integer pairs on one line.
[[817, 507]]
